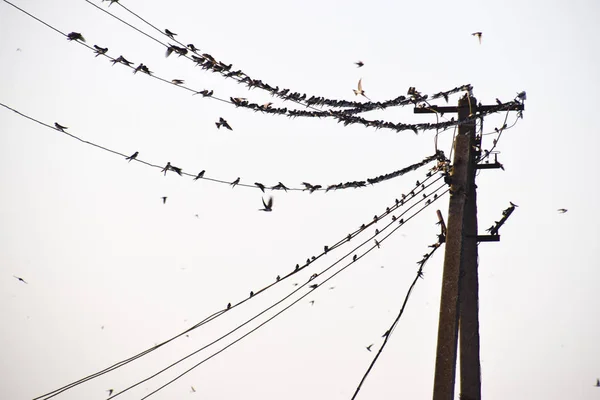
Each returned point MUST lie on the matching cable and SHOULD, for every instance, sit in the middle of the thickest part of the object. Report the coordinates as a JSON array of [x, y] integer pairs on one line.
[[311, 188]]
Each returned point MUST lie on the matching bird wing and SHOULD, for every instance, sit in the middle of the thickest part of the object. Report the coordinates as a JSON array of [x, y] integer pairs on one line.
[[360, 85], [270, 203], [264, 204]]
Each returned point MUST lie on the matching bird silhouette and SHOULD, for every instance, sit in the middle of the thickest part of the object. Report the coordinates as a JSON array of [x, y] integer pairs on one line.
[[513, 204], [132, 157], [193, 390], [478, 34], [200, 175], [228, 306], [251, 294], [110, 391], [369, 347], [192, 48], [562, 210], [100, 50], [20, 279], [359, 64], [75, 36], [360, 90], [235, 182], [121, 60], [60, 127], [260, 186], [164, 199], [268, 206], [177, 81], [170, 34], [314, 286], [224, 123], [312, 302], [597, 383]]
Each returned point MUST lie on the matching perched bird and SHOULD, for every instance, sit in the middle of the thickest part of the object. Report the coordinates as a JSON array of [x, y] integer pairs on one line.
[[360, 90], [121, 60], [60, 127], [251, 293], [597, 383], [164, 198], [279, 186], [110, 391], [228, 306], [75, 36], [132, 157], [192, 48], [260, 186], [235, 182], [562, 210], [314, 286], [224, 123], [100, 50], [206, 93], [478, 34], [268, 206], [354, 257], [359, 64], [166, 168], [178, 81], [522, 96], [377, 244], [369, 347], [170, 34], [200, 175], [19, 279]]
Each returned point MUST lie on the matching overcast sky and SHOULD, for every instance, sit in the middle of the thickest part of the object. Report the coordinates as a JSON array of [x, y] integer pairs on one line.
[[112, 271]]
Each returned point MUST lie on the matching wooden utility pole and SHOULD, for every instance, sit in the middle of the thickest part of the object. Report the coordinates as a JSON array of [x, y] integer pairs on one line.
[[459, 303]]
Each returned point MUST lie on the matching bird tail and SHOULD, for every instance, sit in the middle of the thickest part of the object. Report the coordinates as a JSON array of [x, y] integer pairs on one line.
[[218, 125]]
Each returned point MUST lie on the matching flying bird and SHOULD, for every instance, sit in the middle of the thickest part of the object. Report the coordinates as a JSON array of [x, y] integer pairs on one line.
[[20, 279], [369, 347], [478, 34], [235, 182], [268, 206], [132, 157], [164, 199], [359, 64], [110, 391], [100, 50], [312, 302], [75, 36], [224, 123], [60, 127], [562, 210], [360, 90], [170, 34]]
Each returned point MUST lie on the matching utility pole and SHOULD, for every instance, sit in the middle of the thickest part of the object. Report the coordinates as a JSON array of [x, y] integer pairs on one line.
[[459, 303]]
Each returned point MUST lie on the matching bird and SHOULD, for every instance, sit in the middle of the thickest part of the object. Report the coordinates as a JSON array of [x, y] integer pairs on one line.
[[121, 60], [354, 257], [60, 127], [478, 34], [164, 198], [224, 123], [110, 392], [200, 175], [75, 36], [251, 293], [192, 47], [170, 34], [312, 302], [132, 157], [359, 64], [260, 186], [360, 90], [314, 286], [597, 383], [228, 306], [235, 182], [369, 347], [178, 81], [20, 279], [268, 206], [166, 168], [193, 390], [562, 210], [377, 244], [100, 50]]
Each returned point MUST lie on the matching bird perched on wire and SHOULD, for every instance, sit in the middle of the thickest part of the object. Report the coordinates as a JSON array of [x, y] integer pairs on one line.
[[170, 34], [60, 127], [235, 182], [177, 81], [478, 34], [360, 90], [121, 60], [359, 64], [200, 175], [562, 210], [100, 50], [75, 36], [268, 206], [260, 186], [223, 123], [132, 157]]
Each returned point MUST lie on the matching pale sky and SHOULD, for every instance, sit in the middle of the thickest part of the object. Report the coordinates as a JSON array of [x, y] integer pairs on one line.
[[111, 270]]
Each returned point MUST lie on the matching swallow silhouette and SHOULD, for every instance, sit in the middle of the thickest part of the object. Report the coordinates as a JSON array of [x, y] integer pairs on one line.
[[20, 279], [260, 186], [562, 210], [60, 127], [360, 90], [359, 64], [200, 175], [166, 168], [597, 383], [268, 206], [110, 391], [121, 60], [279, 186], [100, 50], [170, 34], [178, 81], [314, 286], [224, 123], [251, 293], [205, 93], [192, 48], [75, 36], [164, 199], [369, 347], [132, 157], [228, 306], [478, 34], [312, 302], [235, 182]]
